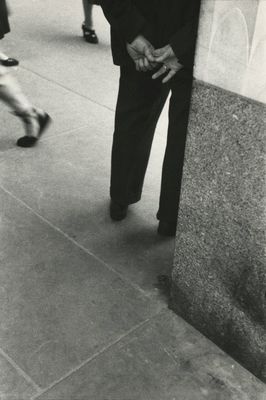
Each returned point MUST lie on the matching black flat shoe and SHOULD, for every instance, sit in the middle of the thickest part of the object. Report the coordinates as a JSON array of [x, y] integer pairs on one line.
[[118, 212], [44, 121], [89, 35], [166, 228], [9, 62]]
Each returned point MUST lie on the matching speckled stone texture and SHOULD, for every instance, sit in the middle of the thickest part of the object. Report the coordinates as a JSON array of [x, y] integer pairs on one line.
[[219, 276]]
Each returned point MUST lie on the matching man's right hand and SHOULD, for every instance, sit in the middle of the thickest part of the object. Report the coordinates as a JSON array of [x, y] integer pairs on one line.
[[141, 50]]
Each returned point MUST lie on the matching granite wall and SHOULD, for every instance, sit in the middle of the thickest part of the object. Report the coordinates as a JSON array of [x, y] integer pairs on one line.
[[219, 275]]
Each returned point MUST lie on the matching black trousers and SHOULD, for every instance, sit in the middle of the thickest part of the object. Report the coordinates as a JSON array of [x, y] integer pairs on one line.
[[139, 105]]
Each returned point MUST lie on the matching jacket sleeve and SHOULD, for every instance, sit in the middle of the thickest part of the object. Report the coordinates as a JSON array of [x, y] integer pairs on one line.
[[124, 17], [183, 42]]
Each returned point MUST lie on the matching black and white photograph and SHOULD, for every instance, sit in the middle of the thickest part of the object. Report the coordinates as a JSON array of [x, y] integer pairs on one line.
[[132, 200]]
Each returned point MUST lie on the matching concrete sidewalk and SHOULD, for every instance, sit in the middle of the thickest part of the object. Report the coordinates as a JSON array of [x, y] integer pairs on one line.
[[81, 315]]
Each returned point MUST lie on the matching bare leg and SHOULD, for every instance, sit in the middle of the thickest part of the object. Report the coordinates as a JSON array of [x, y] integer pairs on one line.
[[3, 56], [88, 22], [87, 27], [12, 95]]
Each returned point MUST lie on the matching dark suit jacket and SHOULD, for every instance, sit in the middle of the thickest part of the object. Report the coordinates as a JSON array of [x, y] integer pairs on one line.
[[162, 22]]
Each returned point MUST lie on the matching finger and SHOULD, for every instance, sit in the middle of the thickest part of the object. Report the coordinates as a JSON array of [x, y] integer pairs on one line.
[[149, 54], [169, 76], [162, 58], [137, 65], [161, 71], [146, 63], [160, 51], [142, 65], [164, 52]]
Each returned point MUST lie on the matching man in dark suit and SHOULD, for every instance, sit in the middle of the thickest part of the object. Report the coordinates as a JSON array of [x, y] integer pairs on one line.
[[153, 42]]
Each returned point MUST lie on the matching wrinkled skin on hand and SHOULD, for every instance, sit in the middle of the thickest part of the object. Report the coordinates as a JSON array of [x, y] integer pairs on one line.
[[146, 58]]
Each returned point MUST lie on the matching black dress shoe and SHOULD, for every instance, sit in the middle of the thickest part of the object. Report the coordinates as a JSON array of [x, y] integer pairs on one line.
[[44, 121], [9, 62], [166, 228], [89, 35], [118, 212]]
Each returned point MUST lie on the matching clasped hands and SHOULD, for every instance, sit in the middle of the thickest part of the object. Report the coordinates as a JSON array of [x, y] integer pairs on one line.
[[147, 58]]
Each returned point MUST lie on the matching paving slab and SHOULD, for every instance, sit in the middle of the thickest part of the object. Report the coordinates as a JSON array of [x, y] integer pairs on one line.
[[165, 360], [66, 180], [13, 385], [59, 304]]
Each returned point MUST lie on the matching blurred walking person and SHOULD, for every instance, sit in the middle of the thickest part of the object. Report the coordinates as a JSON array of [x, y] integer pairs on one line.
[[35, 119], [89, 33]]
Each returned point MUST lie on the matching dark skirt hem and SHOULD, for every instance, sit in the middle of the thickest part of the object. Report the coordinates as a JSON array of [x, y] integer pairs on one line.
[[4, 24]]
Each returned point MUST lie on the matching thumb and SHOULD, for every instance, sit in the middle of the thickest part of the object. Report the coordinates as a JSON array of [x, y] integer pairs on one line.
[[159, 57], [163, 53]]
